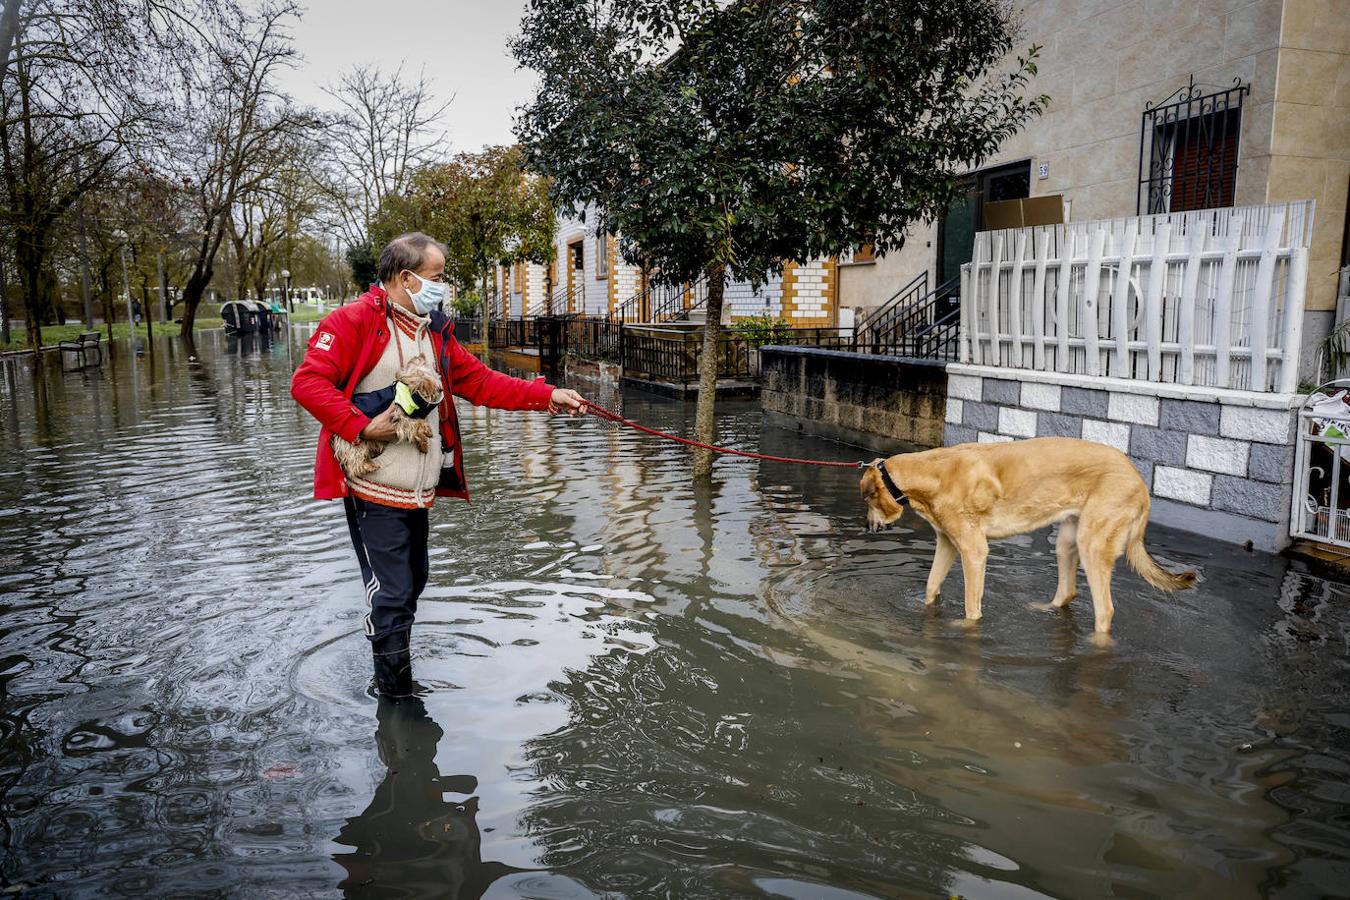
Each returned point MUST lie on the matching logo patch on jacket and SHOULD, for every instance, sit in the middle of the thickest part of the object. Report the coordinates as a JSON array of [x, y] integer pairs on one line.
[[325, 341]]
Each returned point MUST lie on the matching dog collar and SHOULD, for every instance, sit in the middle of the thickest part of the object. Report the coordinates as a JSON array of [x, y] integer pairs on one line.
[[896, 494]]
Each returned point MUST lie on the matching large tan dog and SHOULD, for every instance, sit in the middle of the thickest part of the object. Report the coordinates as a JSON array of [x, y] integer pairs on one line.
[[972, 493]]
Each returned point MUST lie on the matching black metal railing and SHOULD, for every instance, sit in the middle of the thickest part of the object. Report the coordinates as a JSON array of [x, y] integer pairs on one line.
[[895, 328], [658, 303], [566, 300], [675, 302], [633, 309], [515, 332], [468, 330], [591, 337], [672, 354], [916, 322], [940, 340], [916, 287]]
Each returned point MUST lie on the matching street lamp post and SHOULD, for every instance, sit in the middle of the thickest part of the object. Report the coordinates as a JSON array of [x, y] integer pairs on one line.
[[121, 237], [286, 291]]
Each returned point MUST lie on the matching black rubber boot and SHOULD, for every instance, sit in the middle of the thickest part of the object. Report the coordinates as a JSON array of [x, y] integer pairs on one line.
[[393, 665]]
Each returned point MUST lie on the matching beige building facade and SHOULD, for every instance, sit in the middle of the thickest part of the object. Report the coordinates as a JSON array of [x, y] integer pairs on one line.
[[1269, 78]]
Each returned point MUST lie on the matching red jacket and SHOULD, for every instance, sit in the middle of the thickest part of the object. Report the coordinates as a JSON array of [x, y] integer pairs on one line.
[[344, 349]]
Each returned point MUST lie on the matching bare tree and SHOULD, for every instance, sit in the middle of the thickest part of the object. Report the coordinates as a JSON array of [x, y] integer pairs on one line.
[[76, 108], [385, 128], [69, 116], [270, 215], [234, 121]]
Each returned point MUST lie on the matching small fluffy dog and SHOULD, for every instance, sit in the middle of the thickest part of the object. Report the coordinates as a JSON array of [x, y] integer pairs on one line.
[[423, 386], [972, 493]]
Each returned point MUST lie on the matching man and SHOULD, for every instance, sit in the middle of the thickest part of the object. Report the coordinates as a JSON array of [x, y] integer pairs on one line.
[[357, 349]]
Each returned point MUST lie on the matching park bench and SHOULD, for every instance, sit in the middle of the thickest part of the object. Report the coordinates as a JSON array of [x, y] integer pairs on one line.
[[87, 350]]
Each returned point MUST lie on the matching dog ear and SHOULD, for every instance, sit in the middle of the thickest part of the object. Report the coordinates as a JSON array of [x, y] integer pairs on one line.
[[868, 486]]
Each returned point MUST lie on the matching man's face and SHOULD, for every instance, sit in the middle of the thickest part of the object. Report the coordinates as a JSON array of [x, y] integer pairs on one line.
[[432, 269]]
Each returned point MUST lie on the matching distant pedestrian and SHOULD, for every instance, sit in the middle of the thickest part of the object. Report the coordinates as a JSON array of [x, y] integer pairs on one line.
[[358, 348], [136, 311]]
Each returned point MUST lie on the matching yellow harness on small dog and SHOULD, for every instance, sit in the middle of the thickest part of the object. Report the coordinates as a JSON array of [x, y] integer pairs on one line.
[[403, 396]]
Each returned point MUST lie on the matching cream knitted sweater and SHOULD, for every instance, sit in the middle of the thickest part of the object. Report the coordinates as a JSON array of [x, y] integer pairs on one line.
[[407, 477]]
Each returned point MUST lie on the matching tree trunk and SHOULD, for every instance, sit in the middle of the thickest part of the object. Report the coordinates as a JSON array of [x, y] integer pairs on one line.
[[84, 276], [163, 290], [704, 414], [106, 295], [192, 298], [131, 313], [4, 303], [29, 265], [145, 315]]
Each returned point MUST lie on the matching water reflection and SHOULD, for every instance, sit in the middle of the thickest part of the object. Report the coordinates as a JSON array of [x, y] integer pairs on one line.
[[640, 686], [413, 840]]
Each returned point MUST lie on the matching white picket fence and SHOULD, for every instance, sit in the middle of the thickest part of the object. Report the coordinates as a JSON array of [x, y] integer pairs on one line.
[[1210, 298]]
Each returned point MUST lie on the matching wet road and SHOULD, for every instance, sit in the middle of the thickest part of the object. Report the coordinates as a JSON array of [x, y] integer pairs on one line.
[[639, 686]]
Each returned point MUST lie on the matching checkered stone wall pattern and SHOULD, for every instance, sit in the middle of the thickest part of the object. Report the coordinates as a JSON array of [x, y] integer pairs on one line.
[[1214, 462]]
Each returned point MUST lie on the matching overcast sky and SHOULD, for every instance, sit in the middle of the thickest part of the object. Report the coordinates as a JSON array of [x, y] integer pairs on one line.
[[461, 44]]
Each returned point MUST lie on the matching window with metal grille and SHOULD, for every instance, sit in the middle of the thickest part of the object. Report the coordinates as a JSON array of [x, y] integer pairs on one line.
[[1188, 150]]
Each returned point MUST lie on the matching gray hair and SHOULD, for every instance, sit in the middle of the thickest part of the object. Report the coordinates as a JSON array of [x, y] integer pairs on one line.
[[407, 251]]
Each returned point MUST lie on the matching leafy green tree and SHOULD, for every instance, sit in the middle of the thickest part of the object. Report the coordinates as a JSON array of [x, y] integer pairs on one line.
[[725, 138], [486, 208], [363, 262]]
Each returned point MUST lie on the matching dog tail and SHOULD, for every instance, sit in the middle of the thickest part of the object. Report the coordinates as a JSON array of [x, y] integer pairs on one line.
[[1147, 567]]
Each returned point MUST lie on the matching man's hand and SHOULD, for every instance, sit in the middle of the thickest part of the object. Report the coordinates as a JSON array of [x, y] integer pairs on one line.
[[381, 428], [566, 400]]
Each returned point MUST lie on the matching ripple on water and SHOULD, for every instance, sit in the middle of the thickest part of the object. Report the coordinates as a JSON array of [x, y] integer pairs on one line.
[[636, 684]]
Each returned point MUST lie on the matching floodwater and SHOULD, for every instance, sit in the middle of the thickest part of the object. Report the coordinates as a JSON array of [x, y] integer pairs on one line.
[[637, 686]]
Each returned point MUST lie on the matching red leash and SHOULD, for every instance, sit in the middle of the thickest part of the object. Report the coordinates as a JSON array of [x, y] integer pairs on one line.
[[612, 416]]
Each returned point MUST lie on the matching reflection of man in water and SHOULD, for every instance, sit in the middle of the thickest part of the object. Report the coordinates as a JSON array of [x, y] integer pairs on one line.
[[411, 841]]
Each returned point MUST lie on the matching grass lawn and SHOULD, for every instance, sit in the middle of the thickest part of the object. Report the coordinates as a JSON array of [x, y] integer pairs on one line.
[[208, 316]]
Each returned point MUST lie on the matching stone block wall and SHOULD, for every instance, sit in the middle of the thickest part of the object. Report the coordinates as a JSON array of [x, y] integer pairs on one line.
[[874, 401], [746, 300], [1216, 462]]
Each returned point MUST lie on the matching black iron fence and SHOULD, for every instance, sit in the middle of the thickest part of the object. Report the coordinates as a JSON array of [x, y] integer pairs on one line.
[[672, 355], [468, 330], [518, 332], [671, 352], [593, 337]]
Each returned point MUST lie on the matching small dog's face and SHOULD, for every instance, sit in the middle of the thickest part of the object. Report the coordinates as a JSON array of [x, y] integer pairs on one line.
[[882, 510], [421, 379]]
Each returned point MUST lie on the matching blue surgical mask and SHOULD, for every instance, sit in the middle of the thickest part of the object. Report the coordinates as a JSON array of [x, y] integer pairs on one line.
[[430, 296]]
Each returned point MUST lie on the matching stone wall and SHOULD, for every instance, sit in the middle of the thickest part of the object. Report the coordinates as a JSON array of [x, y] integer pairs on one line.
[[856, 396], [1216, 462]]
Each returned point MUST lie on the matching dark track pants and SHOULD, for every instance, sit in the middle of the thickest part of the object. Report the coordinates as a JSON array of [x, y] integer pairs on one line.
[[391, 546]]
